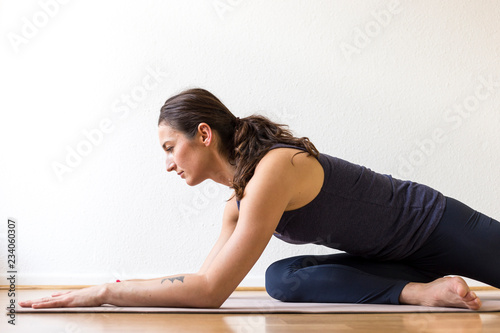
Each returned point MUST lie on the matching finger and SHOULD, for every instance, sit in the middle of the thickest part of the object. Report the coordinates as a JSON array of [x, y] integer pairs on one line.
[[29, 303], [25, 304], [48, 304]]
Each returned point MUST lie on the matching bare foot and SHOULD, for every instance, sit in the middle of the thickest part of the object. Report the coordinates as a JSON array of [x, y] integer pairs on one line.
[[447, 291]]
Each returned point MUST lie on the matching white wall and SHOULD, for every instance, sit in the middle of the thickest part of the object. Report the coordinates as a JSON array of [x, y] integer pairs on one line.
[[368, 81]]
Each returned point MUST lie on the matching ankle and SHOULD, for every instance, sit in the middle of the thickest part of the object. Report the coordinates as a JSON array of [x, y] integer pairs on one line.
[[410, 294]]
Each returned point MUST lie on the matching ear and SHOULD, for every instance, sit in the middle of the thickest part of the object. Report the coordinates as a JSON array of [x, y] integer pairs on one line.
[[205, 133]]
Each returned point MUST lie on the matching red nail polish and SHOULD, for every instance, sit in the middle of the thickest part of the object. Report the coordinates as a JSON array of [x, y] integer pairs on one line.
[[118, 281]]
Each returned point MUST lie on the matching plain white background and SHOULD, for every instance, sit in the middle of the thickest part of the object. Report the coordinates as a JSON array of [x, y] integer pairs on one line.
[[410, 89]]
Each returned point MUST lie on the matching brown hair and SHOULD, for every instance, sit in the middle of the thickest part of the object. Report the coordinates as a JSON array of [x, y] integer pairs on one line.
[[243, 141]]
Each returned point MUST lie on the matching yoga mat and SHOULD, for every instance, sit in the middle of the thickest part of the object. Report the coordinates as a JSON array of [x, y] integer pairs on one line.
[[260, 303]]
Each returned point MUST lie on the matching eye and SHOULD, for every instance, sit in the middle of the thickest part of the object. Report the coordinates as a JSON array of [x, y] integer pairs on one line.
[[169, 149]]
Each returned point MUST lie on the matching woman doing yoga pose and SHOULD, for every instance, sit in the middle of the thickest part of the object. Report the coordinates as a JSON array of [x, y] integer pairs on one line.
[[401, 239]]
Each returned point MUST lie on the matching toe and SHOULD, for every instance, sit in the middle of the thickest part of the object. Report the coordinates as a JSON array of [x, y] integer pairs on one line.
[[470, 296], [473, 303], [479, 303], [460, 286]]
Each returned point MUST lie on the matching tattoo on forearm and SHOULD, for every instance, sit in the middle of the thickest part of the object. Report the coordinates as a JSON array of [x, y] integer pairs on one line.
[[180, 278]]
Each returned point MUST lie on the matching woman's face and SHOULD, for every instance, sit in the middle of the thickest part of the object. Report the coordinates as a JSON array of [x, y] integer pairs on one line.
[[186, 157]]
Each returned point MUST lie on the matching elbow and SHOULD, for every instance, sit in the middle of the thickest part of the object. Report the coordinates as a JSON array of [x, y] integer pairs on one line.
[[214, 296], [206, 302], [213, 300], [215, 304], [212, 305]]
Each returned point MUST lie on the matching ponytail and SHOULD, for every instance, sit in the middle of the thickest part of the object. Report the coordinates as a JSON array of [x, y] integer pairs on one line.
[[253, 139]]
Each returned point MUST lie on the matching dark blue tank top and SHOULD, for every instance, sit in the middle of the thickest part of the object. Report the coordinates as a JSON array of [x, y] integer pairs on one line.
[[363, 212]]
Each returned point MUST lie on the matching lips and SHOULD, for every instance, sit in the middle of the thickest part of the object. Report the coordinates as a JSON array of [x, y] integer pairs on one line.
[[181, 174]]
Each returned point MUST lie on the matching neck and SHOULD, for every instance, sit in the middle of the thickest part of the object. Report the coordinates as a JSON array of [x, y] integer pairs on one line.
[[224, 173]]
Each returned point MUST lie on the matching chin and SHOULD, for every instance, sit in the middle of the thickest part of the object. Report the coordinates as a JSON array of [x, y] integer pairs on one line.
[[193, 182]]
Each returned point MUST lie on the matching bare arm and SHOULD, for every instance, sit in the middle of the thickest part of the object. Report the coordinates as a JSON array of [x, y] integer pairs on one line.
[[229, 220], [266, 198]]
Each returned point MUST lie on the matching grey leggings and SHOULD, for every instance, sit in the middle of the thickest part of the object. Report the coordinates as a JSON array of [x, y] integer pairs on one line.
[[465, 243]]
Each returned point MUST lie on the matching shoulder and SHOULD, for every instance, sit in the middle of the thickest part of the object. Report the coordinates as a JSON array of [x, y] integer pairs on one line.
[[293, 173], [281, 156], [281, 167], [279, 163], [285, 160], [273, 177]]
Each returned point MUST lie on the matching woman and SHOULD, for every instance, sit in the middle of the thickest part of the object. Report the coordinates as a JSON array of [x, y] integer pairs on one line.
[[400, 237]]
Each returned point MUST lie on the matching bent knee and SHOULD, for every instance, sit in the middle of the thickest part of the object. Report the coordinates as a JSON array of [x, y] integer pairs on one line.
[[273, 280], [282, 283]]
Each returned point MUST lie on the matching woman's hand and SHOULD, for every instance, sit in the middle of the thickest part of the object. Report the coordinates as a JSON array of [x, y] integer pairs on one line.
[[91, 296]]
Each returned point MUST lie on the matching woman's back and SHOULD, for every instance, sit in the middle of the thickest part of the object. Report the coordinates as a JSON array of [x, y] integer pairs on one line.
[[362, 212]]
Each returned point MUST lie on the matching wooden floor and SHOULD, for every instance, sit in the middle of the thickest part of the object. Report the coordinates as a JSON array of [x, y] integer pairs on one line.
[[270, 323]]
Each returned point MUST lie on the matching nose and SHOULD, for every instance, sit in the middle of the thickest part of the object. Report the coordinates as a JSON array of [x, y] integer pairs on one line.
[[170, 164]]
